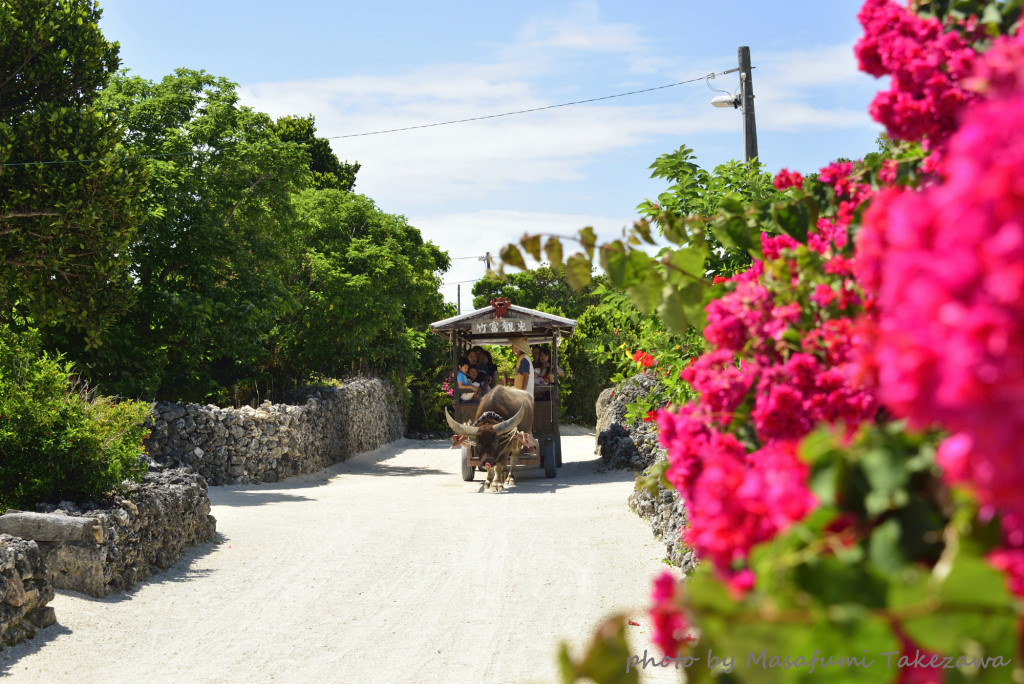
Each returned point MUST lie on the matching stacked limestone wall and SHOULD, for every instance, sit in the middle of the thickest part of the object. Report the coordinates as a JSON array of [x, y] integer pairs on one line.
[[24, 590], [275, 441], [99, 551]]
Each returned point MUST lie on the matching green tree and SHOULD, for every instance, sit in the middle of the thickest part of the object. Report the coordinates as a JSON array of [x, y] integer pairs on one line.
[[65, 220], [541, 288], [698, 193], [210, 262], [367, 288], [329, 172]]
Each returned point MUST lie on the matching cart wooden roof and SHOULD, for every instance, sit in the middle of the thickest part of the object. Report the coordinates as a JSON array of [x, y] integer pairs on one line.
[[481, 327]]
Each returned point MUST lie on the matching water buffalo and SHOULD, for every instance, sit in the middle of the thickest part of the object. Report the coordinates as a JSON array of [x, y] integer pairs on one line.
[[502, 427]]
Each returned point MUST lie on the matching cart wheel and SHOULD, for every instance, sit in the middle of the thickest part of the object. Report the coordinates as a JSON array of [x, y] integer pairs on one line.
[[558, 451], [548, 451], [468, 471]]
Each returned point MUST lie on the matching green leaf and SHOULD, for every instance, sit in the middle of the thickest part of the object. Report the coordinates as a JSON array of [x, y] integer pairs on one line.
[[973, 581], [511, 255], [588, 239], [832, 581], [733, 232], [706, 593], [672, 311], [794, 219], [553, 251], [531, 243], [992, 14], [615, 262], [642, 229], [674, 228], [843, 648], [887, 474], [692, 294], [884, 548], [578, 271], [732, 204], [646, 293], [606, 656], [684, 264]]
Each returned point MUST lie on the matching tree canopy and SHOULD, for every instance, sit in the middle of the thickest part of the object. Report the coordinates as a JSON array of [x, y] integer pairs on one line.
[[368, 287], [329, 172], [69, 196], [541, 288], [210, 260]]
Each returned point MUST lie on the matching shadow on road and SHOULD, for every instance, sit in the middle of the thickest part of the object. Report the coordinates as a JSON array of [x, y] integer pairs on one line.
[[229, 496], [386, 470], [180, 571], [579, 473], [12, 654]]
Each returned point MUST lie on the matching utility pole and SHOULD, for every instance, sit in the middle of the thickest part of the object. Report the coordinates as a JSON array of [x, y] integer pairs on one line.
[[747, 105], [458, 297]]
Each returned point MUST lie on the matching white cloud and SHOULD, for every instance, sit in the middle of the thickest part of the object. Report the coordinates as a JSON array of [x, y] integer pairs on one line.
[[580, 30], [828, 65], [483, 163]]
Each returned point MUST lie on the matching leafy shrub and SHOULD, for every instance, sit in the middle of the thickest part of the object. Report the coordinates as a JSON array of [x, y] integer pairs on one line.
[[612, 342], [58, 441], [585, 359]]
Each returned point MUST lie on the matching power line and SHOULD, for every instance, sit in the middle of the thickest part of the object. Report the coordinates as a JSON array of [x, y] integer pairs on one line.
[[381, 132], [522, 111]]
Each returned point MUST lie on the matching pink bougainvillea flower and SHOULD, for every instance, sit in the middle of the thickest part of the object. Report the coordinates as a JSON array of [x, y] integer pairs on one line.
[[926, 65], [734, 500], [1010, 562], [670, 625], [946, 344], [788, 179]]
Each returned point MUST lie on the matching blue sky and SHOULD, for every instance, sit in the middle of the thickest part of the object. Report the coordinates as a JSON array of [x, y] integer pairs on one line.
[[473, 187]]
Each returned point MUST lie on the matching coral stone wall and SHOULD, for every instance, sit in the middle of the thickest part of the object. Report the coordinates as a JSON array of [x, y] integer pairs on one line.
[[24, 590], [148, 528], [275, 441]]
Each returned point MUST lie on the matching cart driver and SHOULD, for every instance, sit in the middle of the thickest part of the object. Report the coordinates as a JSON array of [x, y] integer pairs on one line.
[[524, 365]]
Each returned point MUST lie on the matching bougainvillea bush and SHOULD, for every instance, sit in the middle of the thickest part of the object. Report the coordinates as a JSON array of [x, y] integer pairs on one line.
[[852, 465]]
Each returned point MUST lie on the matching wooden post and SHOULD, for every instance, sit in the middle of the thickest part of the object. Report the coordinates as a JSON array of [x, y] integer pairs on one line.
[[747, 105]]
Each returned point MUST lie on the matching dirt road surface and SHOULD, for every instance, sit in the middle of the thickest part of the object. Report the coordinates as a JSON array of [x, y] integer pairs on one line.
[[384, 568]]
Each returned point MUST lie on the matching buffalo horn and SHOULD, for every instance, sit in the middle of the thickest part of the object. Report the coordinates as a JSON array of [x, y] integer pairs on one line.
[[509, 424], [459, 428]]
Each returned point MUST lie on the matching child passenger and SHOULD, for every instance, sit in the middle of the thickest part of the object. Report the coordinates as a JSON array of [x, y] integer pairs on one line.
[[468, 391], [479, 379]]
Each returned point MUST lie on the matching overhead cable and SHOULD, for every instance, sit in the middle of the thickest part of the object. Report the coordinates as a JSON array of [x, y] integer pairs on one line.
[[380, 132]]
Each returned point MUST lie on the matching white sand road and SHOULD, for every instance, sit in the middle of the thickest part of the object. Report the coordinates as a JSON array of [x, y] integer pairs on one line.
[[384, 568]]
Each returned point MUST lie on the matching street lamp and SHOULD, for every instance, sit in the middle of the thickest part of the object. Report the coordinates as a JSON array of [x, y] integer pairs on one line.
[[726, 101]]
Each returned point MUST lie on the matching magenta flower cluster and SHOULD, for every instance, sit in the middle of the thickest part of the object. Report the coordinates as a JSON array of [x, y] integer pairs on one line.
[[669, 625], [740, 494], [947, 262], [925, 320], [926, 65]]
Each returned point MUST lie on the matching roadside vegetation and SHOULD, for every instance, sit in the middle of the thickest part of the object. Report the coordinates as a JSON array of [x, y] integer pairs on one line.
[[839, 351], [841, 355]]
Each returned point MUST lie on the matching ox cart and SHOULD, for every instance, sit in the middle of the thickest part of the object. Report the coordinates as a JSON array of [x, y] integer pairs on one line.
[[492, 326]]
